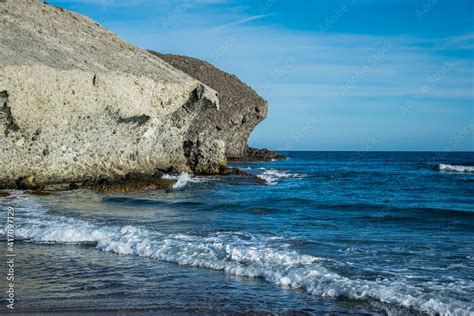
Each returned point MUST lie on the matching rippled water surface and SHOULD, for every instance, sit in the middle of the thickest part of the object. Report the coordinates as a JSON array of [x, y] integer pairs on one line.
[[337, 232]]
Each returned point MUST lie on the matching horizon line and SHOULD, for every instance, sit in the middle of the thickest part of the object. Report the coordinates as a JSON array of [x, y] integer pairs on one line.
[[381, 151]]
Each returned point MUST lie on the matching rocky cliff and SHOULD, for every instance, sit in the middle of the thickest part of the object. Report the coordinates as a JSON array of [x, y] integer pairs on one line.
[[78, 103], [241, 108]]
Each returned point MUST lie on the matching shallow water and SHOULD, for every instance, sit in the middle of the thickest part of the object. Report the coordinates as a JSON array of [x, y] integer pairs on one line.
[[336, 232]]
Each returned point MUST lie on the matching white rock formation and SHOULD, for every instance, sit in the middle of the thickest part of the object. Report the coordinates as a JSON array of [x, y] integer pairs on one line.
[[77, 102]]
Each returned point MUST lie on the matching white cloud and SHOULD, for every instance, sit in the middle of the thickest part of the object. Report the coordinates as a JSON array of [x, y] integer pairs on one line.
[[245, 20]]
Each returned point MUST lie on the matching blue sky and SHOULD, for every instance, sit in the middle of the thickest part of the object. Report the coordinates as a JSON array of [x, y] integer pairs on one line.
[[338, 74]]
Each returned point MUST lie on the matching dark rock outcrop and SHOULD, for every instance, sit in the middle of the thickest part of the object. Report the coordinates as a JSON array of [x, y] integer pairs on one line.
[[127, 183], [241, 108], [254, 154], [4, 194]]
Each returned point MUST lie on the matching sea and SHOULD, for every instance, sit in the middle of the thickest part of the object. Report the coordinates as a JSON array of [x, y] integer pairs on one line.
[[355, 233]]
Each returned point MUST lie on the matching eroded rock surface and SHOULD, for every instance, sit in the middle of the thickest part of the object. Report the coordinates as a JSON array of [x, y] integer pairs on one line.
[[241, 108], [254, 154], [77, 102]]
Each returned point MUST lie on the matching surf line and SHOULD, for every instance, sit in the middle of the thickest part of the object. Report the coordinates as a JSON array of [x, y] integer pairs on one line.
[[11, 255]]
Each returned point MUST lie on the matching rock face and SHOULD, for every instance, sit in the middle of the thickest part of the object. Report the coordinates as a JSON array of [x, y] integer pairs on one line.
[[241, 108], [77, 102], [254, 154]]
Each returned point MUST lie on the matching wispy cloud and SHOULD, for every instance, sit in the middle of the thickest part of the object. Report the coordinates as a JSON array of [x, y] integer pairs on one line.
[[321, 64], [245, 20]]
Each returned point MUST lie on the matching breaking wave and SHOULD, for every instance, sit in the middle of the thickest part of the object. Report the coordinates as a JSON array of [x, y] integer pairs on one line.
[[240, 254], [181, 180], [456, 168], [272, 176]]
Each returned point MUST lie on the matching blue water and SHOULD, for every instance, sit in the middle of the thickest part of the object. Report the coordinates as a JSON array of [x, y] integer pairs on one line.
[[335, 232]]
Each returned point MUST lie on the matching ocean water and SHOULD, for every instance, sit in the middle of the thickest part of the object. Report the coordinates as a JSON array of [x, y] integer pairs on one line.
[[330, 232]]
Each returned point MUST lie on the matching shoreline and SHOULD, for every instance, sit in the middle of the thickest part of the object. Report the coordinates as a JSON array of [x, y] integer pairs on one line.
[[296, 244], [99, 107]]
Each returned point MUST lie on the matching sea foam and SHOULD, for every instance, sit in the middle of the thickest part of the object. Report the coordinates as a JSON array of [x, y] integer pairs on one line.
[[456, 168], [181, 180], [240, 254], [271, 176]]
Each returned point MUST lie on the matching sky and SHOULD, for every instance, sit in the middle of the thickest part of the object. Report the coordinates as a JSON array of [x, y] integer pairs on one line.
[[356, 75]]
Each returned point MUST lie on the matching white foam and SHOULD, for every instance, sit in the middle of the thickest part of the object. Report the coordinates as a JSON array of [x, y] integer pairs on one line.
[[239, 254], [271, 176], [456, 168], [181, 180]]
